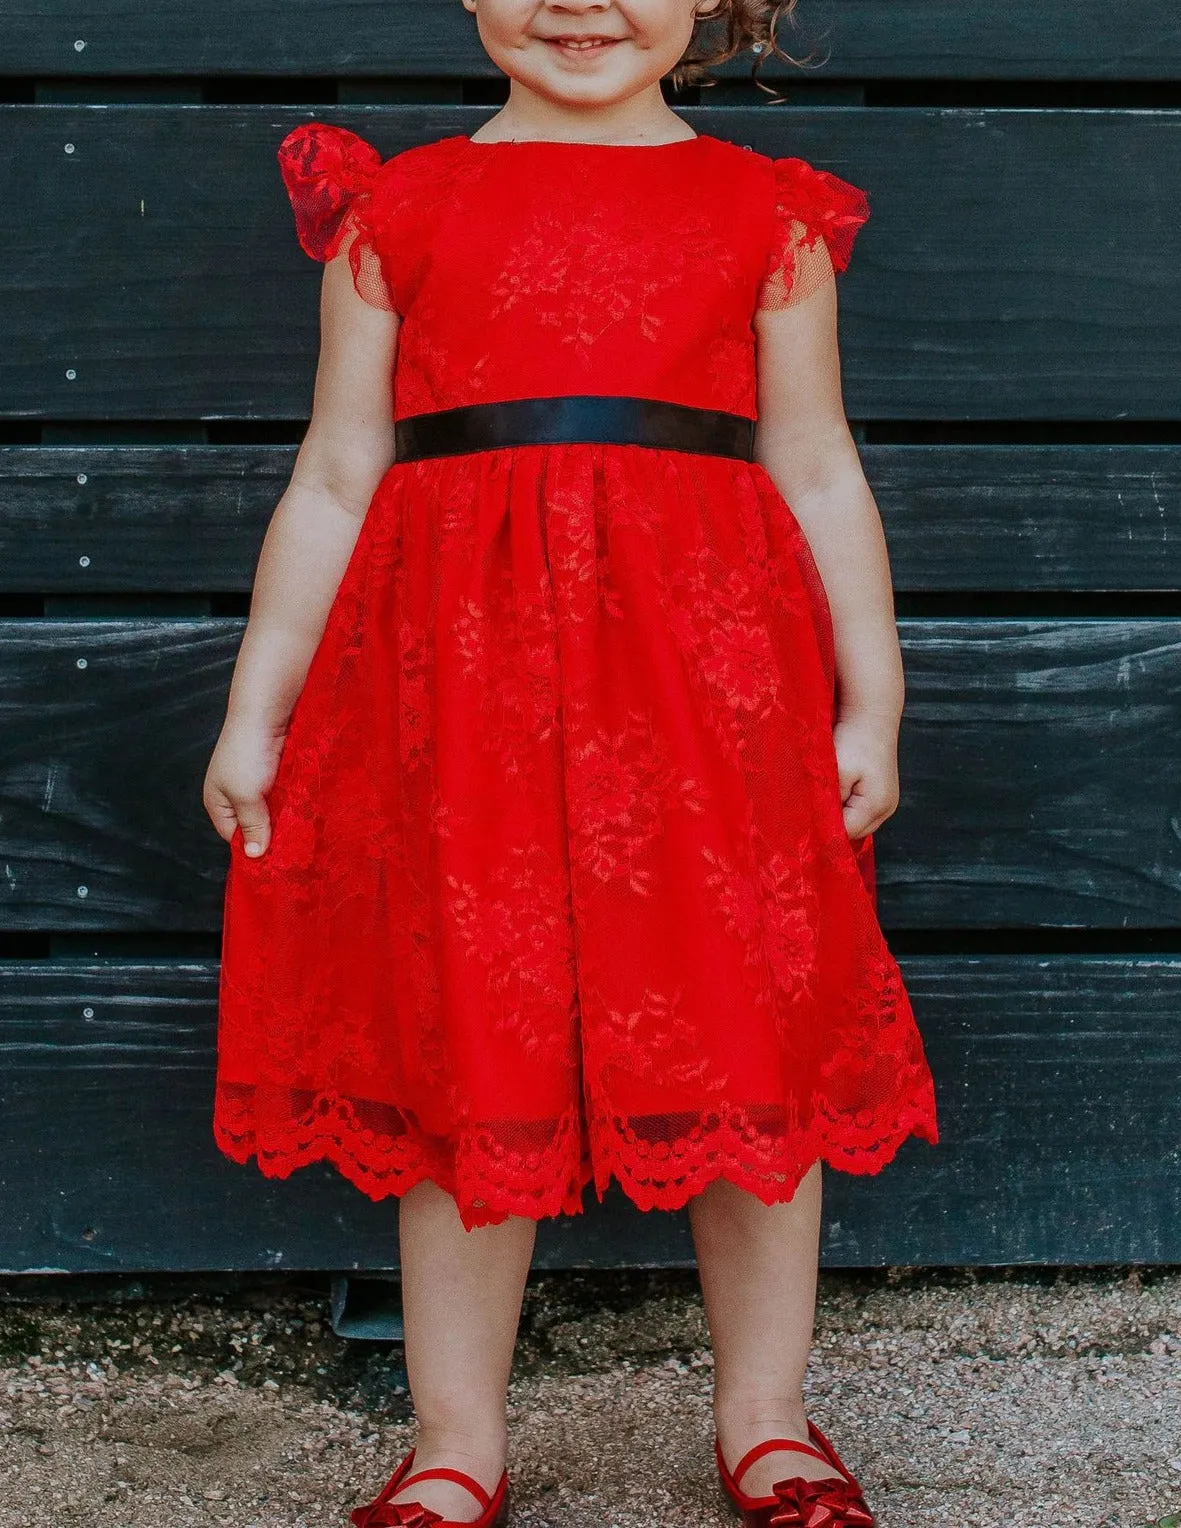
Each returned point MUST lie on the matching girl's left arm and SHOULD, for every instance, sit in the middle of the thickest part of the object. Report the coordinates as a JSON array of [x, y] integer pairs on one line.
[[802, 440]]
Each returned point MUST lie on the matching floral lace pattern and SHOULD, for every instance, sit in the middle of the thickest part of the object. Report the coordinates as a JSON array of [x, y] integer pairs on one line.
[[559, 889], [817, 218], [330, 178]]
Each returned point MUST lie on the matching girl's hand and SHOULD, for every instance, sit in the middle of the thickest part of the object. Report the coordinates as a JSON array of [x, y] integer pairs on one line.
[[241, 771], [867, 768]]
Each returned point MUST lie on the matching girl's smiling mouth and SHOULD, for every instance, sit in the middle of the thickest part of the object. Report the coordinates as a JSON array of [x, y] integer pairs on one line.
[[570, 46]]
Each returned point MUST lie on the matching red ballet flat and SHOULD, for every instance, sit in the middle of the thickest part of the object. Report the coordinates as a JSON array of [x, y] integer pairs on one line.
[[383, 1513], [835, 1502]]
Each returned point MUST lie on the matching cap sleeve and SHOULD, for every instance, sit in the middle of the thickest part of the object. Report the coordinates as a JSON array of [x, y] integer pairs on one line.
[[816, 219], [332, 176]]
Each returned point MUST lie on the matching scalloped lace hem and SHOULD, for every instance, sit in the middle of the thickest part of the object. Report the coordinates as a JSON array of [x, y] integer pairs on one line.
[[490, 1181], [655, 1178]]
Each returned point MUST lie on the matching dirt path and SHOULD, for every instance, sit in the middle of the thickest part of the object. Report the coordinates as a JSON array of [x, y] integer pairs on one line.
[[967, 1401]]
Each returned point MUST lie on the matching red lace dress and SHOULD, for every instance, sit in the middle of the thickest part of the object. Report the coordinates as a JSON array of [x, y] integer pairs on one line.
[[559, 886]]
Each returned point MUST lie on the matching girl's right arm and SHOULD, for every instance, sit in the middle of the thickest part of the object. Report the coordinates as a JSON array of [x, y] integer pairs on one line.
[[348, 447]]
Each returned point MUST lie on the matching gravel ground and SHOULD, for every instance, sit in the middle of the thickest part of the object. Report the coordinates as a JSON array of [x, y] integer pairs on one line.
[[967, 1400]]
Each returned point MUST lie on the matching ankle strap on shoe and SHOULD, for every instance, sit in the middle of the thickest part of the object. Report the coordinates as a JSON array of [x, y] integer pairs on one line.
[[442, 1472], [771, 1445]]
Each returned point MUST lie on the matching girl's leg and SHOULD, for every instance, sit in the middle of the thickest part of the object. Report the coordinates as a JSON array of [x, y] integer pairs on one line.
[[461, 1300], [758, 1268]]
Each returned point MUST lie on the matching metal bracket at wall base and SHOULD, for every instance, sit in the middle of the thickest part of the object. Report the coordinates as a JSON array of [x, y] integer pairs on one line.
[[367, 1307]]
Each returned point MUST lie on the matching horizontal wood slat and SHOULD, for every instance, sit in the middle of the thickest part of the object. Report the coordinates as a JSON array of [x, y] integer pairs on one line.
[[1136, 39], [1048, 1071], [946, 39], [1038, 759], [1007, 517], [1018, 264]]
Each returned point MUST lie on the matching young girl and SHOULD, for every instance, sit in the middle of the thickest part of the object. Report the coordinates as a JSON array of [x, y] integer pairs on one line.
[[557, 738]]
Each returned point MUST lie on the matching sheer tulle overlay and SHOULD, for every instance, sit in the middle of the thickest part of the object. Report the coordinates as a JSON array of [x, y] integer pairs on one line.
[[559, 887]]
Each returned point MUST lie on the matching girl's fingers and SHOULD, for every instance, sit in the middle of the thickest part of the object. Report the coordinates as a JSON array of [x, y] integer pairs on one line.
[[865, 814], [222, 814], [867, 798], [854, 808], [864, 810], [858, 821], [251, 816], [256, 827]]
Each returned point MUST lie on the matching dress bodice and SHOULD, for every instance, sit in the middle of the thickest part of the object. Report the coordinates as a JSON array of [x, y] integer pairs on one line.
[[533, 268]]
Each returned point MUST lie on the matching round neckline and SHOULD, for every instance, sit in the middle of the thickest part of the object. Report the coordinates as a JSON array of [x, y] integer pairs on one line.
[[575, 143]]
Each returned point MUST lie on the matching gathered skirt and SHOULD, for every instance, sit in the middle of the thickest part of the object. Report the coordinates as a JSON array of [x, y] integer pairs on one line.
[[559, 887]]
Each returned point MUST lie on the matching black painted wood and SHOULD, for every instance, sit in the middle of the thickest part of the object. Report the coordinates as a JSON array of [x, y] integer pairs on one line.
[[947, 39], [1029, 518], [157, 262], [107, 729], [1050, 1071], [1038, 761], [1002, 517], [128, 519], [1041, 786], [1077, 39]]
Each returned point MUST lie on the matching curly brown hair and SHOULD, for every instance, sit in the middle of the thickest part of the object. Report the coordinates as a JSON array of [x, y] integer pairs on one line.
[[744, 25]]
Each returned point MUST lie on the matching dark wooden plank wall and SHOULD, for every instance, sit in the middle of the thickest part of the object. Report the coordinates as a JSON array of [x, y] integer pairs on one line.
[[1010, 331], [426, 39]]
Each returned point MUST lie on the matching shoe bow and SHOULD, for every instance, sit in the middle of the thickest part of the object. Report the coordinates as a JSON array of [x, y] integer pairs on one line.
[[819, 1504], [388, 1514]]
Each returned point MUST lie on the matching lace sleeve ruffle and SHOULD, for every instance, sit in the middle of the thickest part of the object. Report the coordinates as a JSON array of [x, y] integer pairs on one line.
[[332, 178], [817, 218]]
